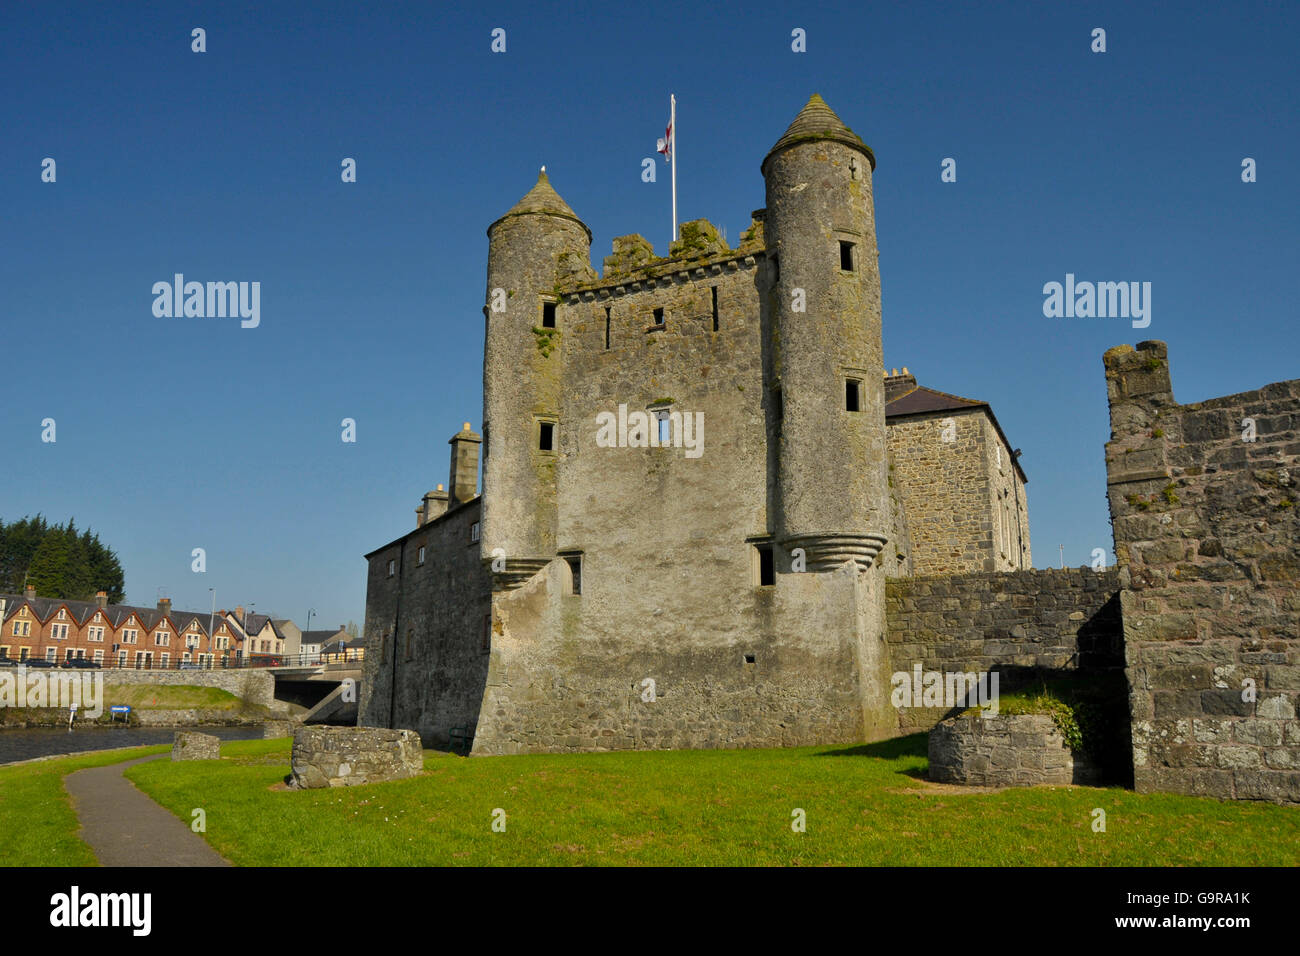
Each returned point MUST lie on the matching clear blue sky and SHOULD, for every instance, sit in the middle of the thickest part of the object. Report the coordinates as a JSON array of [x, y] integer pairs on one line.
[[182, 433]]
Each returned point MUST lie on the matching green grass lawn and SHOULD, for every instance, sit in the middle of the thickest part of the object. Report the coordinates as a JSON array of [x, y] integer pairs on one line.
[[864, 806], [170, 697], [37, 824]]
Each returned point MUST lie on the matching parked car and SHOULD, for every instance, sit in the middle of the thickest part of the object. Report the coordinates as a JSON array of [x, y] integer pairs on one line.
[[83, 662], [37, 662], [8, 662]]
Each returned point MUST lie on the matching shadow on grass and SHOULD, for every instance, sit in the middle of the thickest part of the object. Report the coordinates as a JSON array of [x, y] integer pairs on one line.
[[913, 745]]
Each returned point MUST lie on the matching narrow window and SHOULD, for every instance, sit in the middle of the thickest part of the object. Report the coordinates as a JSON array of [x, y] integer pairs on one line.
[[575, 573], [392, 568], [606, 326], [715, 308], [546, 437], [487, 633], [420, 556], [852, 392], [473, 532], [664, 437], [766, 567], [659, 316], [749, 658], [846, 256], [548, 315]]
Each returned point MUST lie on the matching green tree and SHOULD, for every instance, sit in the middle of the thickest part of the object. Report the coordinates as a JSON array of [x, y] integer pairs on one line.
[[58, 561]]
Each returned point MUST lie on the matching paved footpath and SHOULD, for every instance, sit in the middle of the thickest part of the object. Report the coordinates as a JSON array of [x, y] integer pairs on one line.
[[126, 828]]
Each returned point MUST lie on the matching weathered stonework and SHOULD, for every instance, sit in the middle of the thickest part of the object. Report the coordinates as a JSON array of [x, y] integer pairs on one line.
[[189, 745], [1047, 622], [723, 589], [252, 685], [1206, 534], [347, 756], [1010, 750]]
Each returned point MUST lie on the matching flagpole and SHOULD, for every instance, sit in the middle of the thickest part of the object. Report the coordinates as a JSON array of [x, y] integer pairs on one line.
[[672, 114]]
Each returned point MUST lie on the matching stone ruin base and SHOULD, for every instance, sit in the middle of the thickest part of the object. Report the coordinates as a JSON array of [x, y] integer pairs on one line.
[[345, 756], [275, 729], [190, 745], [1014, 750]]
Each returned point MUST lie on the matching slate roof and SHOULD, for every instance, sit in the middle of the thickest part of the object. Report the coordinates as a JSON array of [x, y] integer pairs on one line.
[[919, 400], [115, 614]]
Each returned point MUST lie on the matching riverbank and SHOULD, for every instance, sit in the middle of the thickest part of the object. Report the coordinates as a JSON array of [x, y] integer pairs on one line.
[[37, 743]]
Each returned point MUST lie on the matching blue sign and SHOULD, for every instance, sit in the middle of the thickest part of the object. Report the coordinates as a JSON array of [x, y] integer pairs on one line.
[[119, 709]]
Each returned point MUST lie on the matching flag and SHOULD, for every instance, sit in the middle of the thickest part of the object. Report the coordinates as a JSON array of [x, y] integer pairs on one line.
[[666, 144]]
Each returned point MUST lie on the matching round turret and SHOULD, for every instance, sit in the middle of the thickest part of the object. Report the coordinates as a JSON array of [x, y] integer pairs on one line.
[[821, 244]]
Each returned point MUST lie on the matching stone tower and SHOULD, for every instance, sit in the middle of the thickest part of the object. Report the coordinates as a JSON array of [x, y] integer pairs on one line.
[[833, 494], [537, 245]]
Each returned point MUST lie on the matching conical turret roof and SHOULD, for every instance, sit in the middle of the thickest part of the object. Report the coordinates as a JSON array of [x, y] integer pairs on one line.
[[817, 121], [542, 199]]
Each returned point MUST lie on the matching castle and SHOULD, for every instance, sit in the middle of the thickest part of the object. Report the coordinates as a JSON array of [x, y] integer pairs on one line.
[[735, 579], [711, 517]]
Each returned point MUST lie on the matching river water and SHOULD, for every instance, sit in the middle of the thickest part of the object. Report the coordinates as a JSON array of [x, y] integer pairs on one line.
[[23, 744]]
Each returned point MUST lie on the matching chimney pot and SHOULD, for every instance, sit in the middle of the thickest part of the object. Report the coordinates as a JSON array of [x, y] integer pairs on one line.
[[29, 592], [463, 484], [101, 599]]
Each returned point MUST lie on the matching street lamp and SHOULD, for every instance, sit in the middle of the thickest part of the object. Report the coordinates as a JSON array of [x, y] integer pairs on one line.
[[212, 638], [310, 612]]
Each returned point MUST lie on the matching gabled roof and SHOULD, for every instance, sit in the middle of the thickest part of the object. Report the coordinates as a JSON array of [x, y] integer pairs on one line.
[[920, 400]]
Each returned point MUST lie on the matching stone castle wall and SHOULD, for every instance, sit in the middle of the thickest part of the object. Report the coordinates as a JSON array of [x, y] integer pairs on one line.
[[426, 626], [1206, 534], [1046, 620]]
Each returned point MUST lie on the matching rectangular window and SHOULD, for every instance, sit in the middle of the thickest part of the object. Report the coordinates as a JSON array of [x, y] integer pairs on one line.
[[419, 556], [473, 532], [121, 658], [59, 632], [574, 561], [50, 653], [392, 568], [99, 655], [715, 308], [846, 256], [852, 395], [766, 565], [95, 635], [129, 636], [161, 639], [664, 434], [4, 650], [548, 315], [164, 660], [659, 316], [607, 320], [23, 652], [546, 436]]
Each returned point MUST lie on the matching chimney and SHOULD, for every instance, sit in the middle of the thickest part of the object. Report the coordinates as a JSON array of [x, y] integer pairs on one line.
[[464, 466], [165, 605], [101, 599], [898, 384], [239, 615], [29, 592], [434, 504]]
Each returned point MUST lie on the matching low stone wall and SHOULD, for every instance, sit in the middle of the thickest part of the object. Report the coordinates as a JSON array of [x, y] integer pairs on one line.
[[193, 718], [194, 746], [251, 685], [345, 756], [1011, 750], [1010, 622]]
